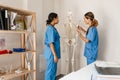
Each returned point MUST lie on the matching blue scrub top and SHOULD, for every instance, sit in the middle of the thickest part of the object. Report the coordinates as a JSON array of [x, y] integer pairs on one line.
[[51, 36], [91, 48]]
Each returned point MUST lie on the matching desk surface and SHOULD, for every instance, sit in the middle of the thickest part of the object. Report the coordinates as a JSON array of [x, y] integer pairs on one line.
[[84, 73], [89, 73]]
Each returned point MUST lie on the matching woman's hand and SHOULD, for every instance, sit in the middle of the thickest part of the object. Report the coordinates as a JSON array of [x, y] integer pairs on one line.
[[55, 59], [80, 29], [54, 53]]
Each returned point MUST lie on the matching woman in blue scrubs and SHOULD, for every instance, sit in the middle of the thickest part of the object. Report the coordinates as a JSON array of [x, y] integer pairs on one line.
[[52, 47], [91, 40]]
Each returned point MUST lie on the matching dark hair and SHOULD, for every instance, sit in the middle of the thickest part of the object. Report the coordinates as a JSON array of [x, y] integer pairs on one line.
[[90, 15], [51, 16]]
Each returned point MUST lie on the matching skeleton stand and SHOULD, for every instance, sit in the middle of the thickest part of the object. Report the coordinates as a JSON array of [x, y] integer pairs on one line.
[[71, 42]]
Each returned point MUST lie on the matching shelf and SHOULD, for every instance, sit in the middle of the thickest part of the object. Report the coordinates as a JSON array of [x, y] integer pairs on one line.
[[15, 53], [19, 11], [27, 40], [14, 31], [14, 75]]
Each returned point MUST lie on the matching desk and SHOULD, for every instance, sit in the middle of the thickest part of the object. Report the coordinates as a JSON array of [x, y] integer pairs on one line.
[[82, 74], [89, 73]]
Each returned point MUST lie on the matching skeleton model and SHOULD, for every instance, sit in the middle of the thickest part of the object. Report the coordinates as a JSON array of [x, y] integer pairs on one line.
[[70, 41]]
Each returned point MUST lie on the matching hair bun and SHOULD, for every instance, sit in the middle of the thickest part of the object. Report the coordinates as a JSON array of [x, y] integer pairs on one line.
[[51, 18], [48, 21]]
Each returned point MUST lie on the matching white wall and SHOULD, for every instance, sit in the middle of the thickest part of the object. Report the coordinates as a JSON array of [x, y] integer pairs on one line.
[[107, 13], [112, 25], [15, 3]]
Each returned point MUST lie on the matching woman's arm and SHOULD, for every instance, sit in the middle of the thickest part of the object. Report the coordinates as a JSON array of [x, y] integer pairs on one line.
[[83, 30], [83, 38], [54, 53]]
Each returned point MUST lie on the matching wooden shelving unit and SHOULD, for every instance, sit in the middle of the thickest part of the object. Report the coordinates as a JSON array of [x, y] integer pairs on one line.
[[15, 32], [27, 41], [14, 75], [16, 53]]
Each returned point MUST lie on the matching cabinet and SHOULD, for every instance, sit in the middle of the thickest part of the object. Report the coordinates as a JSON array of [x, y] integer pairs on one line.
[[27, 68]]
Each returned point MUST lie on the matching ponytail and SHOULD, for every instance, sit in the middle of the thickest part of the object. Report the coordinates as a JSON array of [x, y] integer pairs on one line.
[[94, 23]]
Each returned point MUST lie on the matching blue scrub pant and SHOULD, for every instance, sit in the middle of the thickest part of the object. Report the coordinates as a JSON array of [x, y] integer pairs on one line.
[[51, 69], [90, 60]]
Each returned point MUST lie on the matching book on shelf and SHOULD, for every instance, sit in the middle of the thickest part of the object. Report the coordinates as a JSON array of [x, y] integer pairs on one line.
[[19, 22], [4, 19], [1, 21], [11, 21]]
